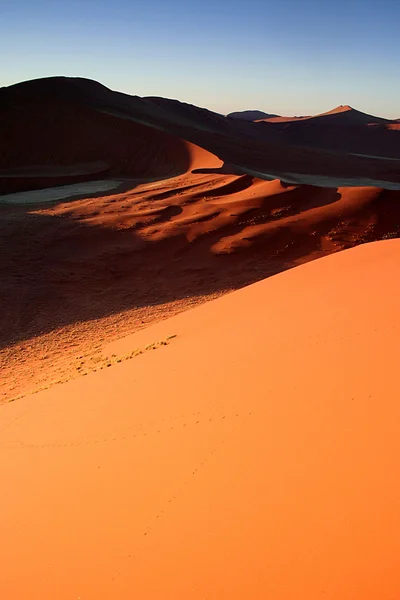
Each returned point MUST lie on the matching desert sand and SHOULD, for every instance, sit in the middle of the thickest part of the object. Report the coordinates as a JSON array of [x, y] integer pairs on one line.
[[161, 438], [252, 454], [93, 269], [118, 211]]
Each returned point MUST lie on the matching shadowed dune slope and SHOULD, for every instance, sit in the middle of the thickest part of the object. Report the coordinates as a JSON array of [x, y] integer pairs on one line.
[[253, 456], [97, 268], [50, 124], [142, 137], [168, 240], [342, 130]]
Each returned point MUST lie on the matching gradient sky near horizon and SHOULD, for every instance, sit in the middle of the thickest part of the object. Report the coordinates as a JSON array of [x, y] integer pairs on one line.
[[281, 56]]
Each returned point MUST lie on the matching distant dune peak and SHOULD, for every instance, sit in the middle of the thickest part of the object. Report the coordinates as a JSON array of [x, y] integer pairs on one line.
[[342, 108], [352, 115]]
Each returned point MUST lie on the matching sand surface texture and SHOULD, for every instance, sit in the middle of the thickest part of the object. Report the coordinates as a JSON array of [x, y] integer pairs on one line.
[[254, 455], [118, 211], [79, 273]]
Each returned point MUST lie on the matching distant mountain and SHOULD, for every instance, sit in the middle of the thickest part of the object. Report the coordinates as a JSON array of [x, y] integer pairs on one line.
[[251, 115]]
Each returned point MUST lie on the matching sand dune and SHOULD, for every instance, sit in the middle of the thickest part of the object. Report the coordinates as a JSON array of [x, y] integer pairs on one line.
[[340, 115], [246, 448], [199, 158], [54, 128], [156, 205], [343, 130], [348, 114], [142, 137], [102, 266], [253, 456]]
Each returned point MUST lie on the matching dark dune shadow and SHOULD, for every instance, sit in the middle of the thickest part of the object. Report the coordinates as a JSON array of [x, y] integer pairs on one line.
[[56, 271], [47, 133], [267, 245], [300, 198], [239, 185], [226, 169], [285, 184], [167, 213]]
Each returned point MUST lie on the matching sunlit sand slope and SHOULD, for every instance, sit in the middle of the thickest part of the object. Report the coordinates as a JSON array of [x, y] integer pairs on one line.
[[255, 455]]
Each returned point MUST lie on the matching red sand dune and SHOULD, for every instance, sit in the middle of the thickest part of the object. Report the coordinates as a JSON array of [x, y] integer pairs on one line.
[[194, 234], [249, 448], [43, 130], [341, 115], [184, 218], [346, 113], [101, 267], [254, 456]]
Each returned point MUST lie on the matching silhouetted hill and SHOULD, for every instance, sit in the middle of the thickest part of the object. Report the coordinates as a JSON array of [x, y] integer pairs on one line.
[[70, 122], [251, 115]]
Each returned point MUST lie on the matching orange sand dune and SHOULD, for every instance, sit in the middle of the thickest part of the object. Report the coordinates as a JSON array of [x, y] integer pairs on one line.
[[349, 114], [281, 119], [198, 233], [160, 205], [343, 114], [50, 132], [199, 158], [93, 269], [253, 456]]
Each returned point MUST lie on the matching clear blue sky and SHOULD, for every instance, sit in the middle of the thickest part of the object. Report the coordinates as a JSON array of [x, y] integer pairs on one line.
[[284, 56]]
